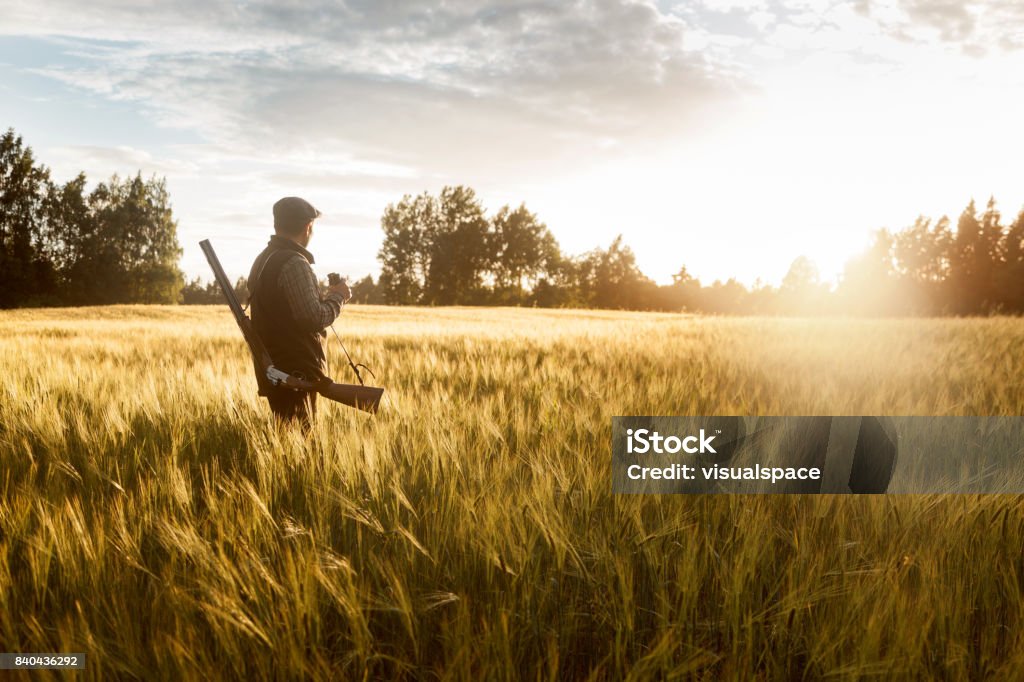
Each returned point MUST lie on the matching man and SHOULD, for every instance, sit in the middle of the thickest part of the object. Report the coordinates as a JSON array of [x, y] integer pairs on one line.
[[288, 312]]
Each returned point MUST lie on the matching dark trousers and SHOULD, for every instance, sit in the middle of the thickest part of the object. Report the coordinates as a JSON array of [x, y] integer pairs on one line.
[[293, 406]]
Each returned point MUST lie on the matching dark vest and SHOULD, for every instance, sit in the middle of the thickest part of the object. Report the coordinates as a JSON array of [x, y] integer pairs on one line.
[[291, 349]]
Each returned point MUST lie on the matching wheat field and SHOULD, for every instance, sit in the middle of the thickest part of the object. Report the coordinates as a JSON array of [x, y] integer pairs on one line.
[[153, 517]]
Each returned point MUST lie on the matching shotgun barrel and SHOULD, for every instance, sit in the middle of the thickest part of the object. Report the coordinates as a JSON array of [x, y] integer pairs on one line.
[[259, 351]]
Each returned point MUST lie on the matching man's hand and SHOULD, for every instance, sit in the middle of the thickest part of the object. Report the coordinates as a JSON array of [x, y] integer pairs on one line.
[[341, 288]]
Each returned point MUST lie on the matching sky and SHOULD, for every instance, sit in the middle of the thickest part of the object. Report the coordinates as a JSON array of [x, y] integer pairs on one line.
[[726, 136]]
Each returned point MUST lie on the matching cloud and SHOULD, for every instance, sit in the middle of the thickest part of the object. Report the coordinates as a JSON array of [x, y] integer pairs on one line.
[[438, 87], [106, 161], [354, 103], [975, 26]]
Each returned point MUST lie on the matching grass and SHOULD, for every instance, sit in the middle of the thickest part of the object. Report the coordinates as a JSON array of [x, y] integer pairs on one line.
[[152, 516]]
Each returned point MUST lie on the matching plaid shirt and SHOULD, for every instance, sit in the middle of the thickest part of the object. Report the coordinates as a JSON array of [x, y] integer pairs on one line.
[[302, 292]]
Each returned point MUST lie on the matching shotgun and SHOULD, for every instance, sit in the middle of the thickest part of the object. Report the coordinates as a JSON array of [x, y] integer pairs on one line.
[[365, 398]]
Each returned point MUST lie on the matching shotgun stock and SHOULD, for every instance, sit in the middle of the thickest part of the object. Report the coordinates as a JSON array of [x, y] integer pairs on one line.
[[366, 398]]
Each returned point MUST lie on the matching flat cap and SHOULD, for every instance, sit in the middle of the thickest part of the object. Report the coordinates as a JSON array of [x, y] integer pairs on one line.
[[294, 211]]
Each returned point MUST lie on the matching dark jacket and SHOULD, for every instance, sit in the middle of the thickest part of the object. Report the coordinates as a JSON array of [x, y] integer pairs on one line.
[[293, 346]]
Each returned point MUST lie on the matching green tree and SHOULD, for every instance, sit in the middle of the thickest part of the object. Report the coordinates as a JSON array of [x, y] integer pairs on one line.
[[973, 260], [727, 297], [68, 222], [405, 252], [26, 275], [459, 247], [119, 244], [683, 294], [557, 287], [366, 291], [610, 278], [990, 257], [196, 292], [131, 251], [523, 250], [1009, 280], [436, 250], [922, 257]]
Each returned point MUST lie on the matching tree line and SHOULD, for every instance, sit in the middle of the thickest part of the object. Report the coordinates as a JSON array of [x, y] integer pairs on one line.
[[62, 245], [444, 250]]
